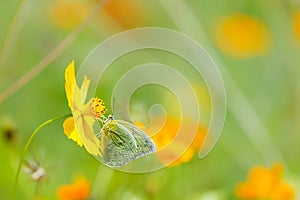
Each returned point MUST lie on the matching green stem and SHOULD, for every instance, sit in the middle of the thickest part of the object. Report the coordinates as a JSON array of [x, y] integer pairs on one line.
[[27, 146]]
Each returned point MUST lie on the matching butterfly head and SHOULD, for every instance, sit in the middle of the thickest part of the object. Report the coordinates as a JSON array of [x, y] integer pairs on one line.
[[110, 117]]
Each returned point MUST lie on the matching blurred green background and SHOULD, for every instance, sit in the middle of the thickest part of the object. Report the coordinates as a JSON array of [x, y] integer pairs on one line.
[[256, 45]]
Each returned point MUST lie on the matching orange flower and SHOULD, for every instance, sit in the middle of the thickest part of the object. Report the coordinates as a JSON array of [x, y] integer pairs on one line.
[[296, 23], [172, 149], [242, 36], [67, 14], [127, 13], [78, 190], [266, 184]]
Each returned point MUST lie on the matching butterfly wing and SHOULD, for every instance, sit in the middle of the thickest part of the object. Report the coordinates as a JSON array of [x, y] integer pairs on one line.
[[122, 142], [144, 143], [118, 144]]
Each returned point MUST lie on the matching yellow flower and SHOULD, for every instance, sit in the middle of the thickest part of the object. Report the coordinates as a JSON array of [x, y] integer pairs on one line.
[[265, 184], [78, 190], [80, 127], [242, 36], [171, 149], [296, 23]]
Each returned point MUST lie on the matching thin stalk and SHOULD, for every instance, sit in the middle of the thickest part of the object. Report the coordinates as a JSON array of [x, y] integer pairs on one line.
[[102, 182], [47, 60], [27, 146], [7, 36]]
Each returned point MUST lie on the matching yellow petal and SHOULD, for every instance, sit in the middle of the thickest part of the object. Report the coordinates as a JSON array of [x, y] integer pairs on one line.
[[74, 96], [84, 87], [70, 82], [84, 126], [70, 132]]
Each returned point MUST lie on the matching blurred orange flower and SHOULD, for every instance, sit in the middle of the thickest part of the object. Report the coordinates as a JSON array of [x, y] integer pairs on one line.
[[78, 190], [127, 13], [265, 184], [242, 36], [296, 23], [67, 14], [172, 149]]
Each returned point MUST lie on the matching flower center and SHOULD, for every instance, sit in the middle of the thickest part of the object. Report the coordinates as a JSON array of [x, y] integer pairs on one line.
[[98, 107]]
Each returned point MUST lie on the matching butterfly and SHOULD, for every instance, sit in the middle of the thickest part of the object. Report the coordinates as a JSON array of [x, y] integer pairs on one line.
[[122, 142]]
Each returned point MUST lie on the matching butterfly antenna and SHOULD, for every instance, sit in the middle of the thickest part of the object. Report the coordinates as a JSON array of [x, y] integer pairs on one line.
[[113, 105]]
